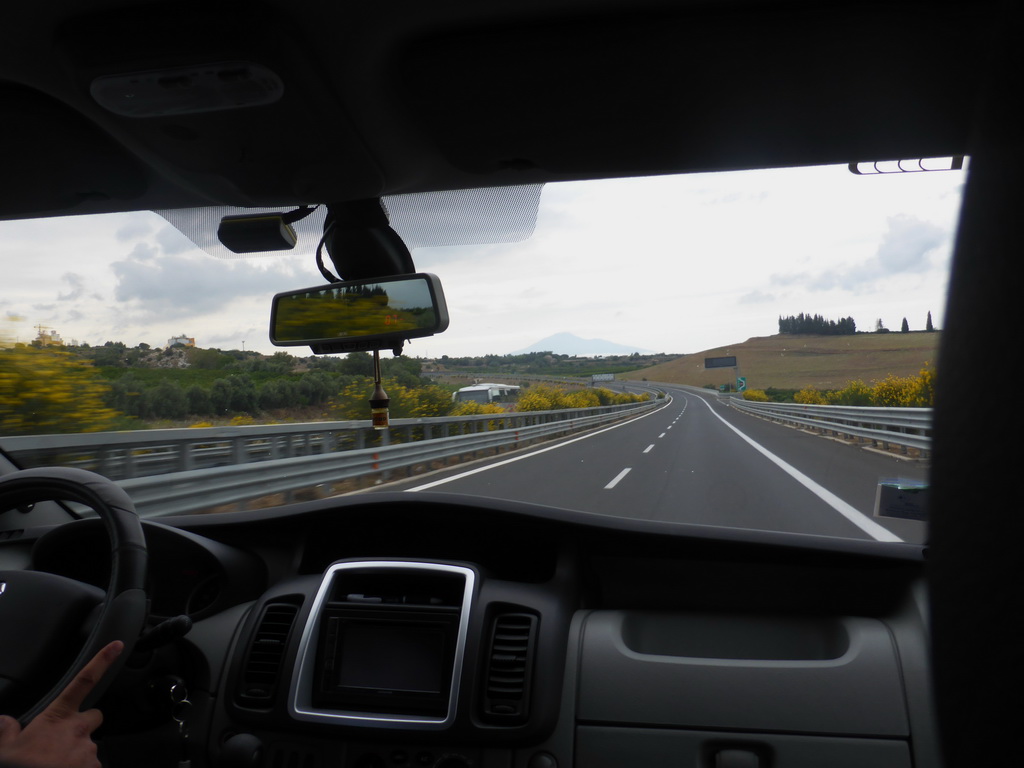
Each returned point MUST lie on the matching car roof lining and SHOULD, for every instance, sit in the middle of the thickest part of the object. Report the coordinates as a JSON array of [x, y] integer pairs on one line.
[[382, 97]]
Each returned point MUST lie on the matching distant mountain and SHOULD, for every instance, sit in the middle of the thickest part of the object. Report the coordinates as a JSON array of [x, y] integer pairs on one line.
[[571, 344]]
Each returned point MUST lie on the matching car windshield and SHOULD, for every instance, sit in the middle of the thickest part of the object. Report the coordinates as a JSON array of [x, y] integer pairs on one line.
[[747, 349]]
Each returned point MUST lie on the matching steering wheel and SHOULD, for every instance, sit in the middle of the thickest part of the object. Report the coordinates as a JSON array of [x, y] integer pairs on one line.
[[40, 613]]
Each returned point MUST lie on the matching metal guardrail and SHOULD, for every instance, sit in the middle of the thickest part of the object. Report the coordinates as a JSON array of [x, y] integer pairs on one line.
[[901, 427], [200, 490], [180, 471], [141, 453]]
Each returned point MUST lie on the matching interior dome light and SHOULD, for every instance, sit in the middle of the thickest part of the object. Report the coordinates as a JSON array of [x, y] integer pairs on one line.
[[188, 90]]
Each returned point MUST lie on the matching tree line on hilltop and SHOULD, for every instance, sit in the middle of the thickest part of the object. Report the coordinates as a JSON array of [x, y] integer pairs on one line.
[[817, 324]]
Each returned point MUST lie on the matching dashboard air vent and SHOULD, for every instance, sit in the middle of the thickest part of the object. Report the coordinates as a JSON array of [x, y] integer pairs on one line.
[[262, 669], [506, 691]]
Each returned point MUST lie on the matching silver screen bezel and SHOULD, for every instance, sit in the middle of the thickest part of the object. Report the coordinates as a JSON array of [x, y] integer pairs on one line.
[[300, 698]]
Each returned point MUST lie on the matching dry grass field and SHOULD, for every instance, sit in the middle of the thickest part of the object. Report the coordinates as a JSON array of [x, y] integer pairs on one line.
[[798, 361]]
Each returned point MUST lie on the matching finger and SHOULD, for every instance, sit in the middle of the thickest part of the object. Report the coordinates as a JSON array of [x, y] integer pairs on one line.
[[9, 729], [89, 721], [70, 699]]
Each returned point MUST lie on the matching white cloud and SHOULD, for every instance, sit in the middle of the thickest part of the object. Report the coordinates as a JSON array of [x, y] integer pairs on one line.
[[908, 243], [76, 285], [133, 229], [677, 264], [190, 285], [907, 247]]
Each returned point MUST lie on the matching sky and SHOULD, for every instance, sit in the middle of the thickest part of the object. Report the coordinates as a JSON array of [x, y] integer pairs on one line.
[[675, 264]]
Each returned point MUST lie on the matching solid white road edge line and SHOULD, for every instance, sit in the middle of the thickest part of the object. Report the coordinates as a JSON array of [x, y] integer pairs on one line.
[[851, 513]]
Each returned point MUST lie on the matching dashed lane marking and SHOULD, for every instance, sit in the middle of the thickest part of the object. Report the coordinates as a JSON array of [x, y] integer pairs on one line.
[[618, 477]]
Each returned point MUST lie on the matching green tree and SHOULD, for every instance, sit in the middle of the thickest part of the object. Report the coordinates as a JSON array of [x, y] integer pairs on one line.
[[220, 397], [315, 388], [407, 370], [207, 359], [278, 393], [166, 400], [243, 393], [198, 400], [357, 364], [113, 354], [124, 394]]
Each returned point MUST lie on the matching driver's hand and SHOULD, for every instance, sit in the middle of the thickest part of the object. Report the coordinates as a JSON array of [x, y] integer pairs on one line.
[[60, 736]]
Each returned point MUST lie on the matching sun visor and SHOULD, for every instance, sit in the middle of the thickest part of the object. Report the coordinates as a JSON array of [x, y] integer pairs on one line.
[[465, 216], [423, 219]]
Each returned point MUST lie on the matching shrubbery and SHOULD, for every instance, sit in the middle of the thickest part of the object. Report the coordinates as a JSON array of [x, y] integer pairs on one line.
[[809, 396], [352, 403], [891, 392], [544, 397], [907, 391], [473, 408], [138, 397], [47, 390], [854, 393]]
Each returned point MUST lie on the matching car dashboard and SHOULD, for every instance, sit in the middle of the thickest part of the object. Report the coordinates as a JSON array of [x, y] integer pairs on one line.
[[441, 630]]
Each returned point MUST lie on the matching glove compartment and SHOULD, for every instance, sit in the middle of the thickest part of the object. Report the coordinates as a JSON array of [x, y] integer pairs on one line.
[[834, 676]]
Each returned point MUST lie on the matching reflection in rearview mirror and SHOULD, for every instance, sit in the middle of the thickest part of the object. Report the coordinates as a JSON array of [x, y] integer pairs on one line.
[[360, 315]]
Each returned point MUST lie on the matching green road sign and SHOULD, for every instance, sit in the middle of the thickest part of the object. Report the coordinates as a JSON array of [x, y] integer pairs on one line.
[[720, 362]]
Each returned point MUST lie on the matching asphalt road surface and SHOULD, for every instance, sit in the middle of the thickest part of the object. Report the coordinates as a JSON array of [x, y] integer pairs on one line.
[[698, 461]]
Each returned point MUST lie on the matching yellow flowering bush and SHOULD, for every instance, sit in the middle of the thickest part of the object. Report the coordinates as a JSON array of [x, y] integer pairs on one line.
[[545, 397], [45, 390], [809, 396], [854, 393], [353, 402], [473, 408], [891, 392], [542, 397]]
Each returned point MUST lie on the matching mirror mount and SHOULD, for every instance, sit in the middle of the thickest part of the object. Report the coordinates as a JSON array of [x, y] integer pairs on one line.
[[360, 242]]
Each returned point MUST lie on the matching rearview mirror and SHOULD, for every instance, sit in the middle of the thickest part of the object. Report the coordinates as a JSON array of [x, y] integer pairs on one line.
[[380, 313]]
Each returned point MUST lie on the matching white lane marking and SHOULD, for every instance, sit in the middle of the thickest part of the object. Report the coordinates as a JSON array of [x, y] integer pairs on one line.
[[467, 473], [648, 448], [851, 513], [618, 477], [661, 435]]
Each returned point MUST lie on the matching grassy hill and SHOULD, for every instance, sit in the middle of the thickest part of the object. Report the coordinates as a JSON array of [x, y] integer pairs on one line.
[[795, 361]]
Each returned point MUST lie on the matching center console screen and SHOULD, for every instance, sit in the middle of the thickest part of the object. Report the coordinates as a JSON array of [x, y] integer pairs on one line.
[[385, 660]]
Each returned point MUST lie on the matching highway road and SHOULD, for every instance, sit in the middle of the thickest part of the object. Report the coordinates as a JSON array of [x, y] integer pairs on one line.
[[696, 460]]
